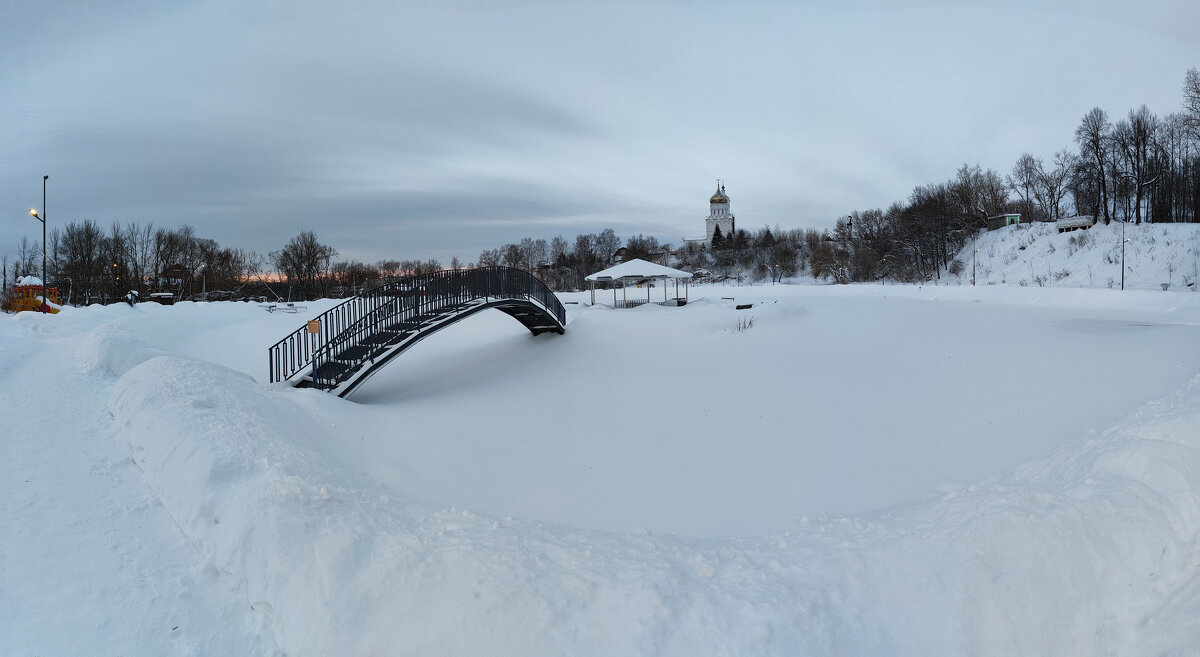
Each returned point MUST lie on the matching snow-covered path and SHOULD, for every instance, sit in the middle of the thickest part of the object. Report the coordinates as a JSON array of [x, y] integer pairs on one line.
[[91, 561]]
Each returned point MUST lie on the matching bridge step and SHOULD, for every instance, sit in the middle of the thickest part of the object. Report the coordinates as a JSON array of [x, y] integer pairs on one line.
[[356, 353], [403, 327], [384, 338], [415, 323], [332, 370]]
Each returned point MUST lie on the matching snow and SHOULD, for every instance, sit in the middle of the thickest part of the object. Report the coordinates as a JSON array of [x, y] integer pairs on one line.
[[730, 435], [900, 470], [29, 280], [635, 269], [1037, 255]]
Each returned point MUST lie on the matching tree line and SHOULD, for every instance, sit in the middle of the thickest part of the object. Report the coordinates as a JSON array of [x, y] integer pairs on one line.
[[1137, 168], [91, 264], [1141, 167]]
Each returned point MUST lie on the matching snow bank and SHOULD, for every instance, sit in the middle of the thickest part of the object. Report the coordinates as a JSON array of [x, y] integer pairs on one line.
[[1036, 255], [1090, 551]]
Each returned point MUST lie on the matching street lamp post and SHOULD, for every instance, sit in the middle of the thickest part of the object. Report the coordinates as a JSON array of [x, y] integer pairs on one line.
[[1139, 214], [42, 218], [1123, 241], [974, 250]]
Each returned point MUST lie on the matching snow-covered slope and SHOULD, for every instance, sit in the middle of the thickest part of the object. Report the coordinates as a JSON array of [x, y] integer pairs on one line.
[[172, 503], [1157, 256]]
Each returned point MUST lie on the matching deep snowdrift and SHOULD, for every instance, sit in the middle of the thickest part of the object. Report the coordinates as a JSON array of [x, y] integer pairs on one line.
[[281, 520]]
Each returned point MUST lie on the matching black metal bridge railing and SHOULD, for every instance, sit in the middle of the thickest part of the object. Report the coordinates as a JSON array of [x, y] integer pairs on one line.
[[340, 341]]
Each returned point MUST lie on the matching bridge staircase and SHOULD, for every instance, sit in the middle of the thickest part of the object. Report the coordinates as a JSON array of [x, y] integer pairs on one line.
[[341, 348]]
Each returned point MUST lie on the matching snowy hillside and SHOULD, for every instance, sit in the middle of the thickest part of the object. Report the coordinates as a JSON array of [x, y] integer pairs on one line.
[[865, 470], [1037, 255]]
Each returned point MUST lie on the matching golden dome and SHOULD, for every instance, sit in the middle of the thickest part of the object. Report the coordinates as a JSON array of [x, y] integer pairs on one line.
[[720, 196]]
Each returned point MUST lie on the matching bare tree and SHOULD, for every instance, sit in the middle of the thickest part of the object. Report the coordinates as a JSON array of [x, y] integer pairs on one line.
[[606, 245], [513, 255], [54, 243], [304, 261], [140, 249], [389, 268], [27, 253], [1136, 139], [490, 258], [979, 194], [1191, 101], [1054, 183], [533, 253], [1024, 181], [254, 265], [559, 248], [81, 257], [1093, 136]]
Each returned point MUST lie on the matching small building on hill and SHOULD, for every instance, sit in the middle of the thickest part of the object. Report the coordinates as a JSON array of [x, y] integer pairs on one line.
[[1002, 220], [1078, 222]]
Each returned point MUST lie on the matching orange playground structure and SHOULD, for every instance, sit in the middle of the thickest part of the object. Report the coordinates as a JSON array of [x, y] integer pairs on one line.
[[29, 297]]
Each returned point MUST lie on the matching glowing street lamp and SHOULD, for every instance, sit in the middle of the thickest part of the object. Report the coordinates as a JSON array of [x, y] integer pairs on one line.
[[42, 218]]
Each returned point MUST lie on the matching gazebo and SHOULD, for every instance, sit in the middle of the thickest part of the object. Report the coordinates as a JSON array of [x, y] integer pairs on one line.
[[635, 271]]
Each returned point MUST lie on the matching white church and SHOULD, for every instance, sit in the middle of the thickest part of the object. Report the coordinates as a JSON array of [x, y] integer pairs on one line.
[[719, 218]]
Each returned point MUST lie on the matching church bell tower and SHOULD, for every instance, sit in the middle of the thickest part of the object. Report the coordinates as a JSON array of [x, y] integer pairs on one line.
[[718, 215]]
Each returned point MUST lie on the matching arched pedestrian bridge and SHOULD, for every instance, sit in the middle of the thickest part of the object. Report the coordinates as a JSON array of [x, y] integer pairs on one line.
[[340, 349]]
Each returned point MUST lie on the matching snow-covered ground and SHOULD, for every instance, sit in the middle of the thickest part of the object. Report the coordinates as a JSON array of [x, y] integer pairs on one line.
[[894, 470], [1157, 256]]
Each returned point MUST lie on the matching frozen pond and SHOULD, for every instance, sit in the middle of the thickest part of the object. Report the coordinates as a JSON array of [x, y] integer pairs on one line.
[[835, 401]]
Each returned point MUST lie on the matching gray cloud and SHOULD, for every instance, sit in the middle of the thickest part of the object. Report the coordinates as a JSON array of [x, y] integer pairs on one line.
[[430, 130]]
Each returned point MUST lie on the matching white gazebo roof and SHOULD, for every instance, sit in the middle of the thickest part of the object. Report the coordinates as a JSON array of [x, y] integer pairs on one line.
[[637, 269]]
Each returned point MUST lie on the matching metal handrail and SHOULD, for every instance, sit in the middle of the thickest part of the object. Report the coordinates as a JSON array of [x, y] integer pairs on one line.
[[403, 302]]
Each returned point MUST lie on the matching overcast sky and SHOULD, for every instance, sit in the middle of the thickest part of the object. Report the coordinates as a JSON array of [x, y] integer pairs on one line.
[[417, 130]]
